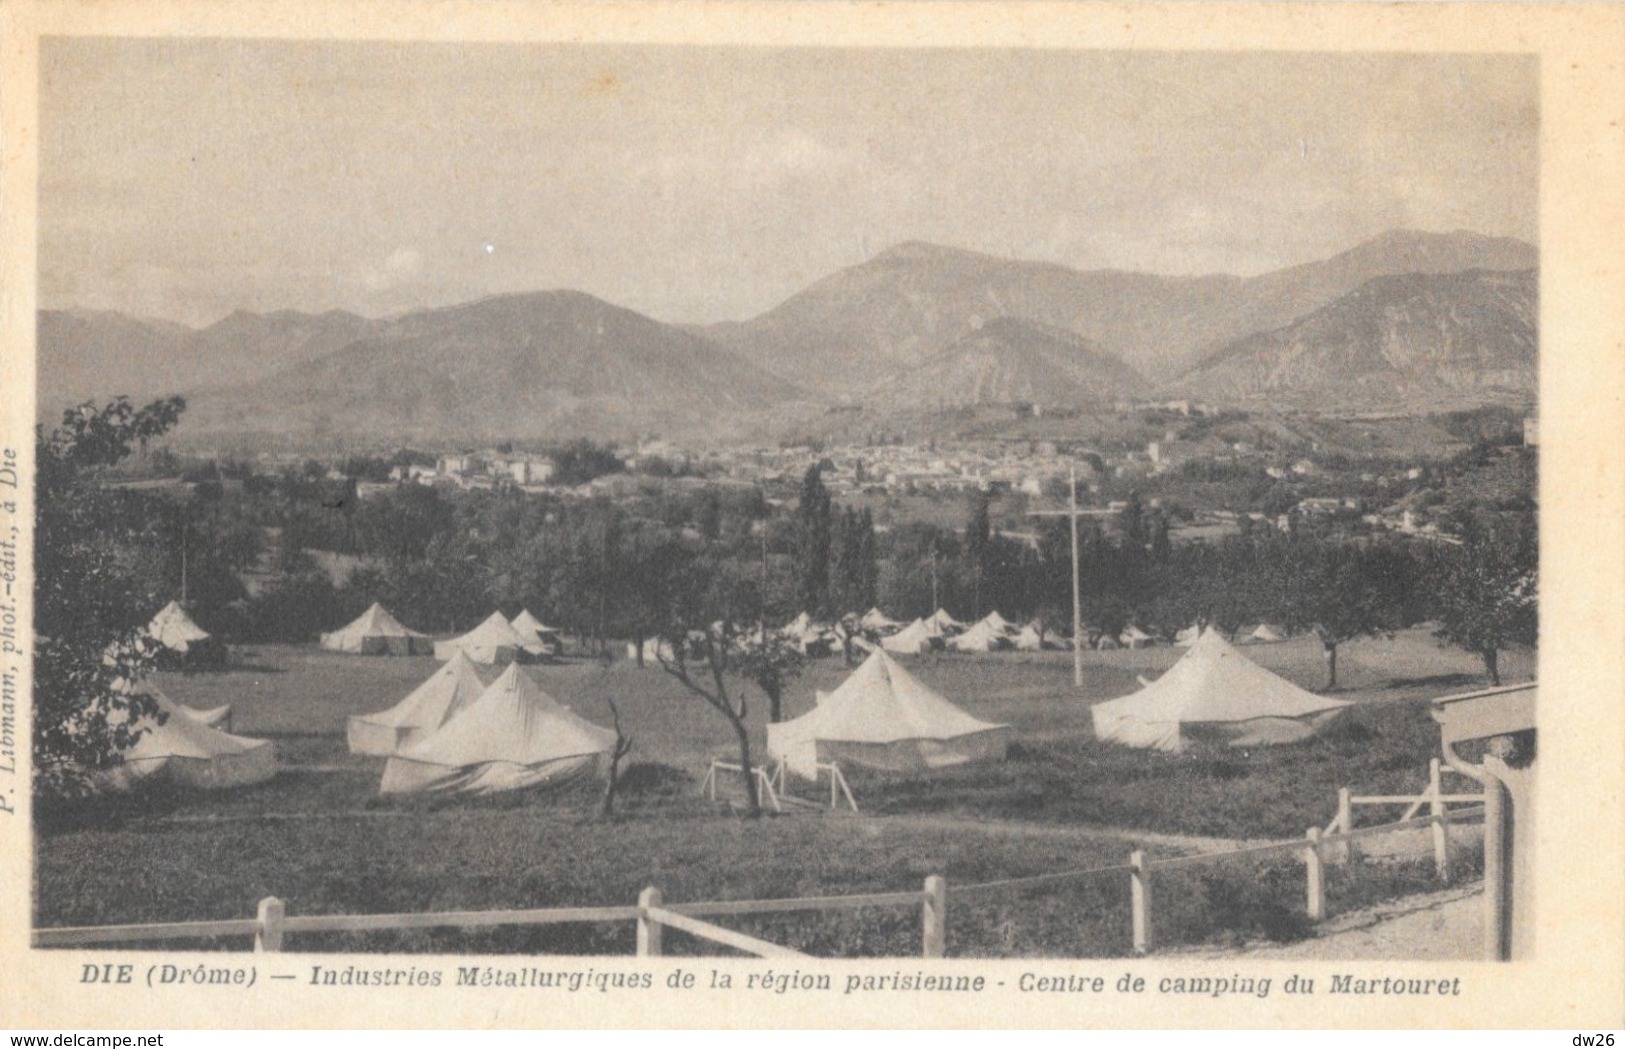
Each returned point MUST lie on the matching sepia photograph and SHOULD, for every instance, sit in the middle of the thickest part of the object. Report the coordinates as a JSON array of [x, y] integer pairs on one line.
[[560, 505]]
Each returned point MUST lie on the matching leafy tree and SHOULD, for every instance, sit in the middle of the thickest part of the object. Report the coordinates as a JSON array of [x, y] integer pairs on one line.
[[90, 611], [583, 460], [1486, 591], [1342, 591], [769, 661], [813, 535], [978, 546]]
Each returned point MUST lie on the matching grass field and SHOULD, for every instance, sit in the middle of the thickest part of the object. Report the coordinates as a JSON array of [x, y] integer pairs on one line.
[[319, 837]]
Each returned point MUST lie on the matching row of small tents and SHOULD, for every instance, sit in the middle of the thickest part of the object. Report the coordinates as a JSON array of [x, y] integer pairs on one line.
[[375, 632], [992, 632], [496, 640], [459, 733]]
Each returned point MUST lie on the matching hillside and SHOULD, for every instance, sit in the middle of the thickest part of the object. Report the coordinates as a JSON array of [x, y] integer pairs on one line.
[[913, 301], [85, 354], [1008, 361], [1415, 341], [531, 366]]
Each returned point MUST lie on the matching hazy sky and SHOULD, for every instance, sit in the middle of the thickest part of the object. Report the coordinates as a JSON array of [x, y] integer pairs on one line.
[[185, 179]]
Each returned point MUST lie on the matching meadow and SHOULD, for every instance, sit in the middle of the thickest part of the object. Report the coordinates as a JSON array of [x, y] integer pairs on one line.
[[319, 837]]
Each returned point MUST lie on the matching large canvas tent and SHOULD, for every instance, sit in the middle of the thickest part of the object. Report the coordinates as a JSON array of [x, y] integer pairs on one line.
[[515, 736], [185, 750], [493, 642], [377, 633], [883, 717], [943, 623], [1216, 693], [446, 693], [539, 638], [182, 641]]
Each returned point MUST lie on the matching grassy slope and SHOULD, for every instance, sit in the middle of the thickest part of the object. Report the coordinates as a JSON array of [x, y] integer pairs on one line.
[[318, 836]]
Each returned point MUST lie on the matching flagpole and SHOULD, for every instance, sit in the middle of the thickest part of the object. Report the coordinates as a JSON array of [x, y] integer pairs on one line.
[[1077, 591], [1073, 514]]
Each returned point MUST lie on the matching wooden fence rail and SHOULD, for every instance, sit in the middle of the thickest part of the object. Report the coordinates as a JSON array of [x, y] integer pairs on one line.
[[653, 915]]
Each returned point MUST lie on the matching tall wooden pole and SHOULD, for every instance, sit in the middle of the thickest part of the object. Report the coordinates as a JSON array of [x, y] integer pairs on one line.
[[1077, 589], [1072, 512]]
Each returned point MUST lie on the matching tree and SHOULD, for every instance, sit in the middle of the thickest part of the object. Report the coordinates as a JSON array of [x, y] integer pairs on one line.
[[90, 649], [1342, 591], [1131, 520], [712, 687], [768, 660], [621, 748], [813, 527], [978, 542], [1486, 591]]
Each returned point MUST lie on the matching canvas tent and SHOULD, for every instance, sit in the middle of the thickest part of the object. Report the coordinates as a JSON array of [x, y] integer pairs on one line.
[[515, 736], [1264, 632], [913, 639], [446, 693], [1030, 640], [979, 638], [1000, 625], [182, 641], [493, 642], [1214, 692], [377, 633], [539, 638], [186, 751], [943, 623], [877, 622], [883, 717], [1134, 637]]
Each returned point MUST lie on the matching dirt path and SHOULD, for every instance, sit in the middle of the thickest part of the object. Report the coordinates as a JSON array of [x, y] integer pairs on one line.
[[1182, 842], [1436, 926]]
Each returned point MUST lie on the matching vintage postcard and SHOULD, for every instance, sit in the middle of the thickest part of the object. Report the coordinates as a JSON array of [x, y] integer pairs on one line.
[[768, 515]]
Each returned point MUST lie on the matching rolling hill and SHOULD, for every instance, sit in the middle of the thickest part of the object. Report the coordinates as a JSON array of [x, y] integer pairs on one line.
[[98, 354], [916, 326], [913, 301], [529, 366], [1009, 361], [1415, 341]]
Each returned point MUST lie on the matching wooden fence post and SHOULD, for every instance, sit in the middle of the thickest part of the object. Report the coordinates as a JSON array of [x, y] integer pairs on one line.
[[934, 917], [1345, 823], [1313, 863], [649, 930], [269, 938], [1441, 833], [1140, 900]]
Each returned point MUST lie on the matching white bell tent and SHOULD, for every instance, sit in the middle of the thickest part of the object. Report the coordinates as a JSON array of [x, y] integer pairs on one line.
[[185, 750], [447, 692], [376, 632], [514, 737], [883, 717], [493, 642], [1214, 693]]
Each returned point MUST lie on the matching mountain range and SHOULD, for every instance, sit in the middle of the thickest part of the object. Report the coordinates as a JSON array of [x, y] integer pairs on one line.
[[1405, 319]]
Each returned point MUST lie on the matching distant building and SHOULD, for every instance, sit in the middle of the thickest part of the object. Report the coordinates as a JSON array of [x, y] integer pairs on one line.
[[531, 471]]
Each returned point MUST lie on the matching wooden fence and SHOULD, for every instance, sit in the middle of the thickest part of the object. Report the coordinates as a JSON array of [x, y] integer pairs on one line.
[[1433, 796], [653, 914], [770, 785]]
